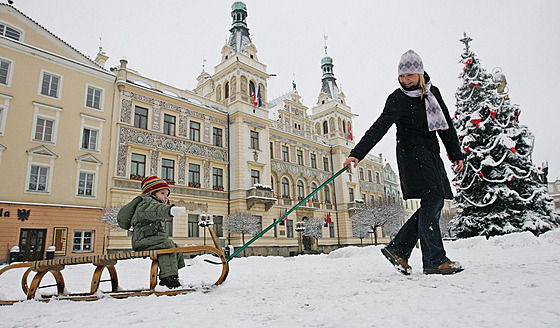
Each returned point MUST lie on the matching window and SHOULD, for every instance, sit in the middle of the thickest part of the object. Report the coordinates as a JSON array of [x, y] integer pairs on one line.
[[194, 175], [285, 156], [271, 150], [258, 218], [327, 194], [141, 117], [168, 226], [138, 166], [361, 173], [325, 127], [313, 188], [331, 230], [50, 85], [85, 184], [2, 120], [285, 188], [195, 131], [313, 161], [351, 194], [299, 155], [254, 140], [89, 139], [218, 225], [192, 221], [371, 200], [38, 178], [217, 136], [299, 189], [369, 175], [93, 97], [4, 71], [290, 228], [326, 163], [169, 124], [255, 177], [168, 170], [44, 129], [82, 241], [377, 177], [9, 32], [218, 178]]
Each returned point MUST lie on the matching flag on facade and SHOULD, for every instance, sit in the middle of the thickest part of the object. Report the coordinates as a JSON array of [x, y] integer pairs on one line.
[[350, 136], [259, 97], [255, 101]]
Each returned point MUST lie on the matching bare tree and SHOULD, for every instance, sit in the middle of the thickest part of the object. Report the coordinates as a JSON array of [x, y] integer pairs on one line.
[[360, 228], [243, 223], [110, 217], [368, 217], [313, 228]]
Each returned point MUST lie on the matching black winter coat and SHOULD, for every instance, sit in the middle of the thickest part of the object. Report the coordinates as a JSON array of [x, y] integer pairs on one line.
[[421, 169]]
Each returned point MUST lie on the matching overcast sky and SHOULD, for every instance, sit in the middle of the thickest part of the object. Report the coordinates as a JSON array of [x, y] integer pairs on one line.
[[167, 41]]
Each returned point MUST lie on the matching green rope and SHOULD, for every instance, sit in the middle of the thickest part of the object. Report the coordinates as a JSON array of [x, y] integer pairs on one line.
[[285, 215]]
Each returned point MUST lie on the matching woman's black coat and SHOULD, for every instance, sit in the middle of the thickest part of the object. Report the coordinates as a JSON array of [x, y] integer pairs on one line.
[[421, 169]]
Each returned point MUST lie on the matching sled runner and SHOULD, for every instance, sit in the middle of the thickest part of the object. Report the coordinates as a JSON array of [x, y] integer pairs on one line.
[[102, 262]]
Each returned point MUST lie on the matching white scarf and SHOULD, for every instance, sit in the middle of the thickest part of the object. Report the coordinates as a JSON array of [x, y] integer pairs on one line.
[[436, 119]]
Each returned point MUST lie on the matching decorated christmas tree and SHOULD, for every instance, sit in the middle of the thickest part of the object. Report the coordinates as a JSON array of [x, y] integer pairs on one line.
[[497, 191]]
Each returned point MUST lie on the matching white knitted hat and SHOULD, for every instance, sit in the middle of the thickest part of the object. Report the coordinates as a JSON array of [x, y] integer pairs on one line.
[[411, 63]]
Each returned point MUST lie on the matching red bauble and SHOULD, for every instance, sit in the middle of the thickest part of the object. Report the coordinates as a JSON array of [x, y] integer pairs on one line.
[[476, 122], [493, 113], [481, 175], [513, 150]]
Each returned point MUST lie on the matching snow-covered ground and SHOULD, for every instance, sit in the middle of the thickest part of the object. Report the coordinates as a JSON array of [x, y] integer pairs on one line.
[[509, 281]]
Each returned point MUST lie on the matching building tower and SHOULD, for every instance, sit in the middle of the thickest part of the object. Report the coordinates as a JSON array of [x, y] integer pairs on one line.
[[239, 82]]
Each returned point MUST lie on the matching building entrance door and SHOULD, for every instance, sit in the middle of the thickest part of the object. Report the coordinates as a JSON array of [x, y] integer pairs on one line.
[[32, 244]]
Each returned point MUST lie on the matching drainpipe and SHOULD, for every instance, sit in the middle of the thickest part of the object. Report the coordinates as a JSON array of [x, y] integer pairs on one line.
[[228, 175]]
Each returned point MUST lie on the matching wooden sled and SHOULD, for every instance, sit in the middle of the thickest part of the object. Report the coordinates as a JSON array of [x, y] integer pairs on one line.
[[102, 262]]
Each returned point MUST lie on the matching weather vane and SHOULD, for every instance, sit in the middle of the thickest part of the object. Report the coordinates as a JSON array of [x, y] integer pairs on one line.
[[326, 37], [466, 41]]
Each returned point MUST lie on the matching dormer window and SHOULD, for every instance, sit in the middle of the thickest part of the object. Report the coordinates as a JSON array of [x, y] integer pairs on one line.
[[10, 32]]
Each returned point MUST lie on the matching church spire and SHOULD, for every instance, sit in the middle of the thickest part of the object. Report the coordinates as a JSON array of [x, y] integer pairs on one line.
[[329, 86], [239, 37]]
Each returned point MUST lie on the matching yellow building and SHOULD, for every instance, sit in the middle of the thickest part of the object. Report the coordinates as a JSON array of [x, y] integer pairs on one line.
[[55, 124]]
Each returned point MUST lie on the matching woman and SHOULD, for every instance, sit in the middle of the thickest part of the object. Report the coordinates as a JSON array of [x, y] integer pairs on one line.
[[418, 111]]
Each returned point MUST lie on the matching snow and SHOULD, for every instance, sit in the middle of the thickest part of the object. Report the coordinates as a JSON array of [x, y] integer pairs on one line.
[[509, 281]]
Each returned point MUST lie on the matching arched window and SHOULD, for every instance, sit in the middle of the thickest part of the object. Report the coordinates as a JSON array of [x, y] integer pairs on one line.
[[313, 188], [299, 189], [327, 194], [233, 85], [243, 85], [251, 88], [226, 90], [219, 93], [325, 127], [285, 188]]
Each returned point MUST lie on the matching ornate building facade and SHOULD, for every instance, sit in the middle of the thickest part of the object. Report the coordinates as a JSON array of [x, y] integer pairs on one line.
[[223, 147]]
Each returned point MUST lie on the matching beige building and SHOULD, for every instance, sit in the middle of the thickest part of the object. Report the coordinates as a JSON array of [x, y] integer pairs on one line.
[[89, 135], [554, 192], [55, 127]]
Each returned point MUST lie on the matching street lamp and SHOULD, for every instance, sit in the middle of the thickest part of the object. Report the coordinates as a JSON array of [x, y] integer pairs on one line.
[[300, 227], [204, 222]]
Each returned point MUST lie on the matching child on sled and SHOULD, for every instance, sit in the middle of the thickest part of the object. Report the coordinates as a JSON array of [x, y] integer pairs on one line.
[[147, 213]]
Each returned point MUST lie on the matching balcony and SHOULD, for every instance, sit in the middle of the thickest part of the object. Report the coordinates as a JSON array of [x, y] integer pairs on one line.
[[263, 196]]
